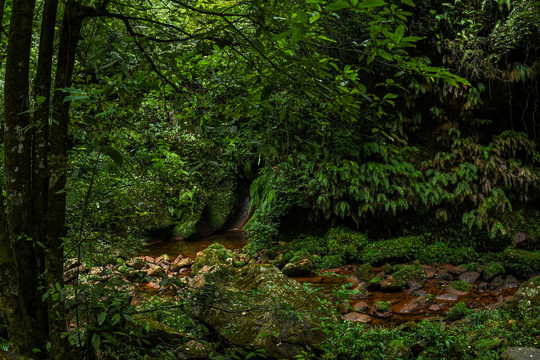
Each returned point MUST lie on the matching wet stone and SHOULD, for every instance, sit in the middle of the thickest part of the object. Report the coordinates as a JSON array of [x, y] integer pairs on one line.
[[443, 275], [360, 306], [359, 293], [457, 270], [497, 284], [520, 353], [447, 297], [412, 306], [470, 276], [392, 284], [511, 282], [357, 317]]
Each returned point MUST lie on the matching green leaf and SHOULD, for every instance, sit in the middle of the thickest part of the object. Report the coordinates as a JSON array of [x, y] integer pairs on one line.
[[400, 31], [75, 97], [408, 2], [283, 35], [369, 4], [114, 154], [258, 46], [338, 5], [297, 35], [96, 340], [115, 319], [101, 318]]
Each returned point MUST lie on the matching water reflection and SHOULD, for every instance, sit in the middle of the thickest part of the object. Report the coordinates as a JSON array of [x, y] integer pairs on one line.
[[190, 247]]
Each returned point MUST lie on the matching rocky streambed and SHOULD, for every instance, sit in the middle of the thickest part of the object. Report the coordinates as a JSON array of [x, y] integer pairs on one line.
[[384, 295], [261, 301]]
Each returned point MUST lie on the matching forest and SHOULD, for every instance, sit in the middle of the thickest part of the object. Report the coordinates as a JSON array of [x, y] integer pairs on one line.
[[269, 179]]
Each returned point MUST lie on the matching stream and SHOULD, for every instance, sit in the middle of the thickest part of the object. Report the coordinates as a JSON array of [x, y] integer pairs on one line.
[[481, 294]]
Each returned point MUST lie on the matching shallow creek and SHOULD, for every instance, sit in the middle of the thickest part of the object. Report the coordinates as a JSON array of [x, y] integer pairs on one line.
[[475, 298]]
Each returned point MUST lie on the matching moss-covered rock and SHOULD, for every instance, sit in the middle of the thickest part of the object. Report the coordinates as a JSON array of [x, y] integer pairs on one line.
[[413, 275], [392, 284], [195, 349], [397, 350], [257, 306], [220, 205], [526, 297], [522, 262], [493, 269], [346, 242], [460, 285], [393, 250], [298, 267], [214, 254], [363, 272]]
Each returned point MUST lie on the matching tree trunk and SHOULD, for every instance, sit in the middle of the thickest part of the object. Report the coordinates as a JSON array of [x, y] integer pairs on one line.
[[23, 289], [53, 251]]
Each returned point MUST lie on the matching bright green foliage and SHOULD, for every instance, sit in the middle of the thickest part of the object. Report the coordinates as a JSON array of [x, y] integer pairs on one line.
[[522, 262], [399, 249], [459, 311]]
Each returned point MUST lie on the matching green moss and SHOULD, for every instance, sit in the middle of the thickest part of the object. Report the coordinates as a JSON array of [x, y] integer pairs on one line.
[[330, 262], [383, 306], [459, 311], [461, 285], [474, 266], [521, 262], [536, 280], [399, 249], [346, 242], [220, 204], [442, 252], [494, 269]]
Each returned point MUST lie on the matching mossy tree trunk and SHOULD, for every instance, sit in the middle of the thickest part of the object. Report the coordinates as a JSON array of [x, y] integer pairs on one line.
[[33, 223]]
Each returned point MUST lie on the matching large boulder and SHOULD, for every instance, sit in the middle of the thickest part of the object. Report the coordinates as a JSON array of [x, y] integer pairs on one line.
[[527, 296], [258, 306], [520, 353]]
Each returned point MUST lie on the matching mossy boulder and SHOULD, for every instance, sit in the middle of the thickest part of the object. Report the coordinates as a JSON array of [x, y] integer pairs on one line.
[[493, 269], [413, 275], [195, 349], [298, 267], [363, 272], [392, 284], [521, 262], [258, 306], [346, 242], [526, 297], [214, 254], [393, 250]]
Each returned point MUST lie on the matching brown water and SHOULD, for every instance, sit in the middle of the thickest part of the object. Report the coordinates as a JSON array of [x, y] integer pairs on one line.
[[190, 247]]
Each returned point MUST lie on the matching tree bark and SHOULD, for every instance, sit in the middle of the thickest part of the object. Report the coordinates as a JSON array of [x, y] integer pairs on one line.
[[53, 251], [56, 199], [19, 271]]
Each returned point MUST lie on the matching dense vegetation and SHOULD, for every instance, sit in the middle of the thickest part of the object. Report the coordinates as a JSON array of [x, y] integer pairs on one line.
[[364, 131]]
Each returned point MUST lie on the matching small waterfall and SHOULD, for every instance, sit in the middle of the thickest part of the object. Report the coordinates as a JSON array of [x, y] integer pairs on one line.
[[241, 215]]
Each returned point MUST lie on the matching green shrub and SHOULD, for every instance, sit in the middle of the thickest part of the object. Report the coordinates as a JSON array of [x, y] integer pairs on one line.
[[459, 311]]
